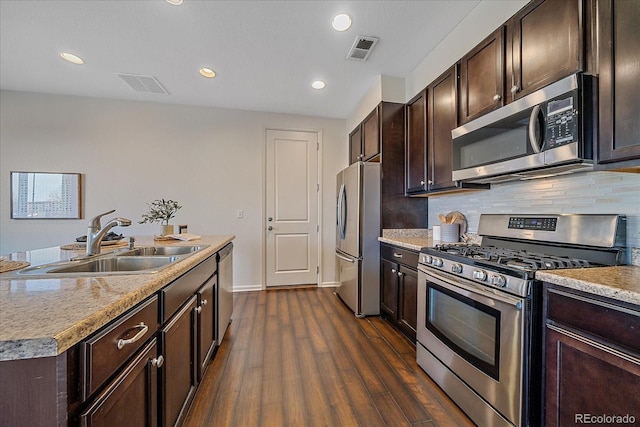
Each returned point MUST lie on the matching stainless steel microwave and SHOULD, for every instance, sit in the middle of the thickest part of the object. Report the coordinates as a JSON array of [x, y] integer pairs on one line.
[[548, 132]]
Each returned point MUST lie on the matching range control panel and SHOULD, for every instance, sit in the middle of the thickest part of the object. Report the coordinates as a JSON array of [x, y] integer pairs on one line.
[[528, 223]]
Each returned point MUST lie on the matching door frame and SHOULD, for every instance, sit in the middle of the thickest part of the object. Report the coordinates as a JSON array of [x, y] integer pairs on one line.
[[264, 199]]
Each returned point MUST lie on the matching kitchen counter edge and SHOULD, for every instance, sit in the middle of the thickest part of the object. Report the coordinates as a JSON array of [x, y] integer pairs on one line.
[[621, 283]]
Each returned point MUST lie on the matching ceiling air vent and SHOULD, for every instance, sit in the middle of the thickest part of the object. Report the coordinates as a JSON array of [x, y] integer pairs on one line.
[[362, 48], [146, 84]]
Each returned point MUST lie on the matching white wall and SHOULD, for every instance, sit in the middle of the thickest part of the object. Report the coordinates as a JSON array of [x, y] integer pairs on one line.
[[210, 160]]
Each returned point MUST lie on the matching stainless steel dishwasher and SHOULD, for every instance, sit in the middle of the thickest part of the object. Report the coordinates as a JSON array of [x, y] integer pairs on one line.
[[225, 290]]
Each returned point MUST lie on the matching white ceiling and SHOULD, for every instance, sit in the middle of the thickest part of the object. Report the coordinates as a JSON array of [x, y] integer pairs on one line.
[[265, 53]]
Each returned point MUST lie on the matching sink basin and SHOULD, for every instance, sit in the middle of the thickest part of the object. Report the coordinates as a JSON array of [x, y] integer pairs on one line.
[[142, 260], [161, 250], [150, 264]]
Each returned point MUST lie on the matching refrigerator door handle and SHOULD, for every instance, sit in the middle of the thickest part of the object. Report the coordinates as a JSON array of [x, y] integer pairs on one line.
[[344, 258], [342, 212]]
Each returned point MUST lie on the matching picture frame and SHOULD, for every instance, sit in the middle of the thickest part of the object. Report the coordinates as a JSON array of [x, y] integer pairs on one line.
[[46, 195]]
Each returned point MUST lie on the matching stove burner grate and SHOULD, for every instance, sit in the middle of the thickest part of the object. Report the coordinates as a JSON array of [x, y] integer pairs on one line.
[[518, 259]]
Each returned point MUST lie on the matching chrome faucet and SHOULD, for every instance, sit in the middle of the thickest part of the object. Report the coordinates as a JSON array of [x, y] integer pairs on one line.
[[95, 232]]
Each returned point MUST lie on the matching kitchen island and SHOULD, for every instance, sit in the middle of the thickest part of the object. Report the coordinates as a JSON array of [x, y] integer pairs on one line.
[[58, 334]]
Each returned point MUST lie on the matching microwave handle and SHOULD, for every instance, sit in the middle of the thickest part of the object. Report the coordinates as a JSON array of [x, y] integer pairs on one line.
[[536, 142]]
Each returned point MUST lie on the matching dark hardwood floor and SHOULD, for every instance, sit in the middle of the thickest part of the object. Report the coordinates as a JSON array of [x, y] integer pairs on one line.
[[299, 357]]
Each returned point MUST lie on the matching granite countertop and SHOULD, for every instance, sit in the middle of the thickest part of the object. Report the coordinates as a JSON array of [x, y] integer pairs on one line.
[[409, 238], [413, 243], [43, 316], [621, 282]]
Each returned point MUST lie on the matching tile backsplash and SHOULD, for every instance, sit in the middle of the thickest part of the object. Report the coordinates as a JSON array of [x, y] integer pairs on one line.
[[590, 192]]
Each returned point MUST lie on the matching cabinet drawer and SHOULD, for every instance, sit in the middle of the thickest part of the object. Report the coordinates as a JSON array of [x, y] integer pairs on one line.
[[399, 255], [105, 352], [608, 322], [180, 290], [131, 398]]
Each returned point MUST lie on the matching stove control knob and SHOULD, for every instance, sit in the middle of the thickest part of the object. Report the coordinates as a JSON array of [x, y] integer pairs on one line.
[[427, 259], [498, 280], [480, 275], [456, 268], [438, 262]]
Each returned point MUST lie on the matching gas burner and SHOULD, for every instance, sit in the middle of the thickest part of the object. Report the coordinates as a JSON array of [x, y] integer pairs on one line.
[[518, 259]]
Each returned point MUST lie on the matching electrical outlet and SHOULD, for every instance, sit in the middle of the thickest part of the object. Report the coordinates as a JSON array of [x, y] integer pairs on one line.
[[240, 214]]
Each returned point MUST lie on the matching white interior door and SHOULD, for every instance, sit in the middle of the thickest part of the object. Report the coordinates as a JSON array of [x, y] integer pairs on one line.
[[291, 222]]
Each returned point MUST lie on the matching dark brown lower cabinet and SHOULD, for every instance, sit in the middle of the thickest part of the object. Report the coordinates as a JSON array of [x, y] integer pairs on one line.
[[399, 288], [592, 360], [131, 399], [206, 323], [178, 374]]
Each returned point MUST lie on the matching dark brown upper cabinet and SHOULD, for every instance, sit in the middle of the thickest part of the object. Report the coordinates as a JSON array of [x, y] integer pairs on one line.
[[544, 43], [619, 84], [441, 120], [364, 140], [355, 145], [431, 116], [416, 144], [482, 80]]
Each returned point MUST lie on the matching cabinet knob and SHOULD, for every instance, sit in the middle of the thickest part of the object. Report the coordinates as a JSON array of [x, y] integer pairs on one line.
[[198, 309], [430, 182], [515, 89], [158, 361], [269, 228], [205, 302], [393, 270], [400, 274], [497, 97], [421, 182]]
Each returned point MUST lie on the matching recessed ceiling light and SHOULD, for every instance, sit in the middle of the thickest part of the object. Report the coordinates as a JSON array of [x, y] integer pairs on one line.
[[207, 72], [341, 22], [318, 84], [175, 2], [70, 57]]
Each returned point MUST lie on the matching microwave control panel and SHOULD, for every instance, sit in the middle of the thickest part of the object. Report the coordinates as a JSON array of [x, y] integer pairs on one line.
[[561, 122]]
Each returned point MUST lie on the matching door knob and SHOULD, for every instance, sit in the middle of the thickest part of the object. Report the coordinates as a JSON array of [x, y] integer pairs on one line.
[[269, 228]]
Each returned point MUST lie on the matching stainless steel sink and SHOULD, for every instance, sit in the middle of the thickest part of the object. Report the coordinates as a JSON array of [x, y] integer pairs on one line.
[[142, 260], [161, 250], [119, 264]]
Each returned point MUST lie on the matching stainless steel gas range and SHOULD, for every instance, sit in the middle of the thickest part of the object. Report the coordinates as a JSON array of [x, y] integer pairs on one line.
[[479, 307]]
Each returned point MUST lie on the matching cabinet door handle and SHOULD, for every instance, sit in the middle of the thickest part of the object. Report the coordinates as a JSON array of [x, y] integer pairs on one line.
[[497, 97], [421, 182], [397, 255], [515, 89], [205, 302], [158, 361], [393, 270], [269, 228], [400, 274], [143, 330], [198, 309]]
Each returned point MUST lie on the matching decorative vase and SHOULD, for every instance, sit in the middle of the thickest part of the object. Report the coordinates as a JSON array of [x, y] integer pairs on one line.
[[166, 230]]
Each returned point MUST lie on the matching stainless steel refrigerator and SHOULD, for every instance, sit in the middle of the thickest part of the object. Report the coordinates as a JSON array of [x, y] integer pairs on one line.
[[357, 231]]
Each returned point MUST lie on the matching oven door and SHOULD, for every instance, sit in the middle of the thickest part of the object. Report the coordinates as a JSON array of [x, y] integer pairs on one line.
[[475, 333]]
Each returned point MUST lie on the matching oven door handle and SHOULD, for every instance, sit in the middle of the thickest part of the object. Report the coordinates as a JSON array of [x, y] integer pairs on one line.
[[479, 290]]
